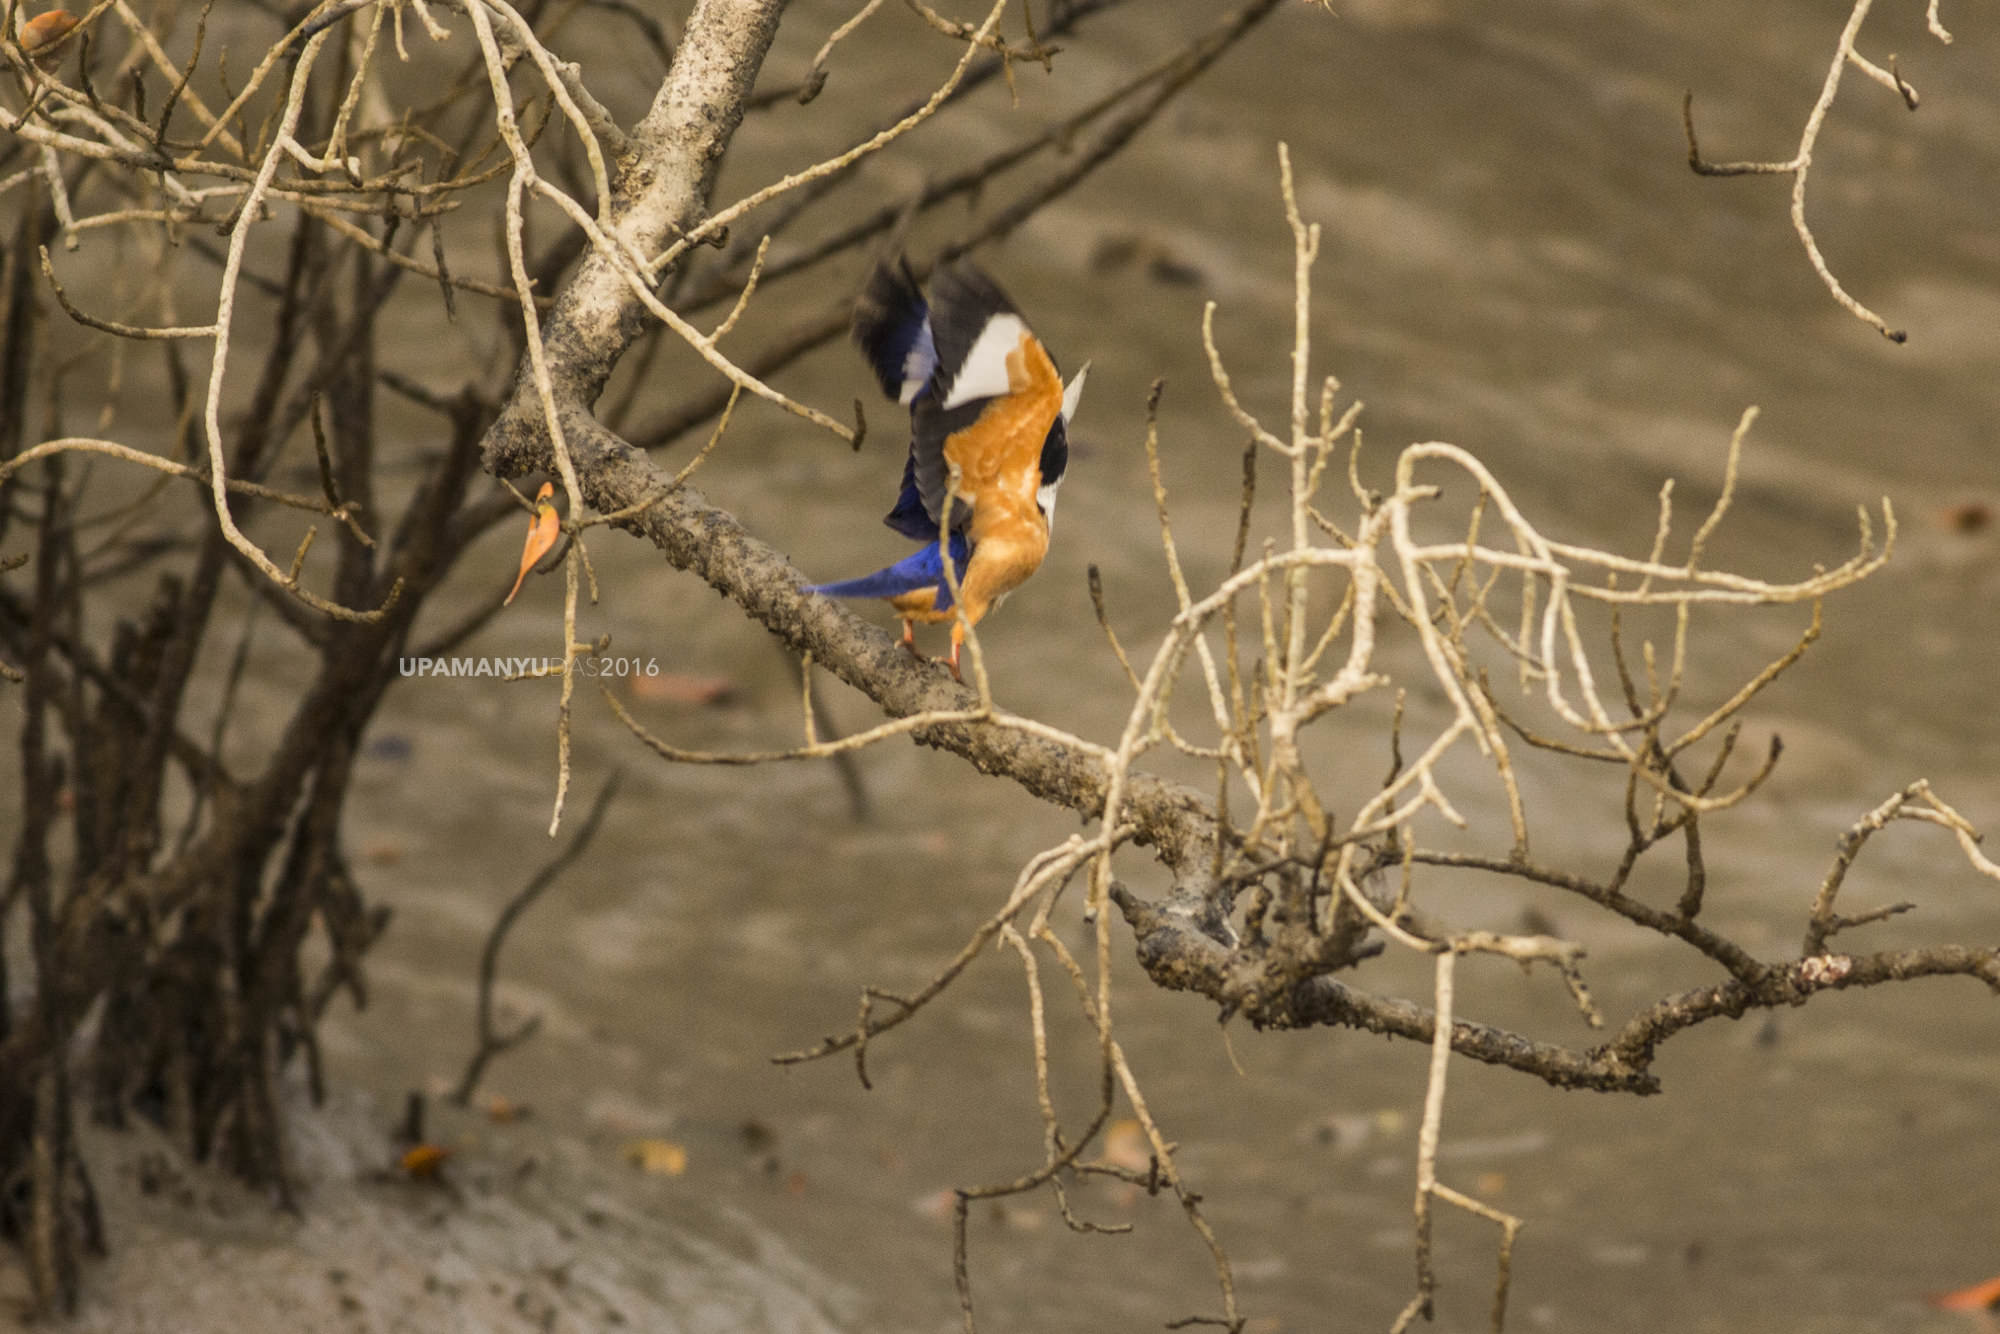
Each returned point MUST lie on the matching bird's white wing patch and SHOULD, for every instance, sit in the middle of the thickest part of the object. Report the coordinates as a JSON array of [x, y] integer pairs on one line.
[[918, 363], [984, 374]]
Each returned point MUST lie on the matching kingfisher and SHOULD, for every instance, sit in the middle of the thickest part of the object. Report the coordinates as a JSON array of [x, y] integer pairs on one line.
[[989, 413]]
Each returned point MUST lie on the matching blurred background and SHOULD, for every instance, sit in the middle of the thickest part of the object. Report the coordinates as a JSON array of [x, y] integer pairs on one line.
[[1516, 259]]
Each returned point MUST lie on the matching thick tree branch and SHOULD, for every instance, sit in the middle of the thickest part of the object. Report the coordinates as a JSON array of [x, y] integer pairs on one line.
[[1177, 954], [660, 189], [1181, 953]]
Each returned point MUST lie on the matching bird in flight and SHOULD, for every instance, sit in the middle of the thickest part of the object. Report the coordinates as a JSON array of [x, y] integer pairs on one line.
[[989, 418]]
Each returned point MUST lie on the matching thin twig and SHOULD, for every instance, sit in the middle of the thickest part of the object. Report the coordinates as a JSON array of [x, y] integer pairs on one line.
[[491, 1042]]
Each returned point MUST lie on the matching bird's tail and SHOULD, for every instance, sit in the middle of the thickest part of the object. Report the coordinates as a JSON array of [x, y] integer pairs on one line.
[[922, 568]]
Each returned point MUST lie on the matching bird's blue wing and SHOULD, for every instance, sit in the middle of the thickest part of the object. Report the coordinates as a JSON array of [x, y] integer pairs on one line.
[[910, 518], [922, 568]]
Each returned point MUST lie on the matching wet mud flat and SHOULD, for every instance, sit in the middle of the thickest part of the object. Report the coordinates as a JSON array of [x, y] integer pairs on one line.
[[522, 1229]]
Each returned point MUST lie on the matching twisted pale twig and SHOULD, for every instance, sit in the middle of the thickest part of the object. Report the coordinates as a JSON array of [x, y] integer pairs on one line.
[[225, 312], [1799, 165]]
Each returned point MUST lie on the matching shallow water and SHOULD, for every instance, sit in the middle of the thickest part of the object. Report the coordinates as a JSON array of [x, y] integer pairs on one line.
[[1517, 259]]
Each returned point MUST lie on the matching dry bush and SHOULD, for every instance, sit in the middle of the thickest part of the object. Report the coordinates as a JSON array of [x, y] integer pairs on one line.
[[169, 888]]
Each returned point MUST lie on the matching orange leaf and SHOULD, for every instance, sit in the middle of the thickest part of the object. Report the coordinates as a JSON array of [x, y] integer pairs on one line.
[[44, 31], [542, 534], [422, 1161], [1979, 1297]]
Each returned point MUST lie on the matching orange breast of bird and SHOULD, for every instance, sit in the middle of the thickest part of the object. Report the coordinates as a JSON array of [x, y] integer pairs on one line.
[[999, 459]]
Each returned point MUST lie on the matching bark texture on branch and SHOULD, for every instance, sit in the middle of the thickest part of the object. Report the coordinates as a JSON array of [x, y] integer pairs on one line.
[[660, 189]]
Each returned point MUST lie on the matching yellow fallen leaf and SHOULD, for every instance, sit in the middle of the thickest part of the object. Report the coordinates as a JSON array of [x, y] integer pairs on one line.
[[542, 535], [422, 1161], [657, 1155]]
